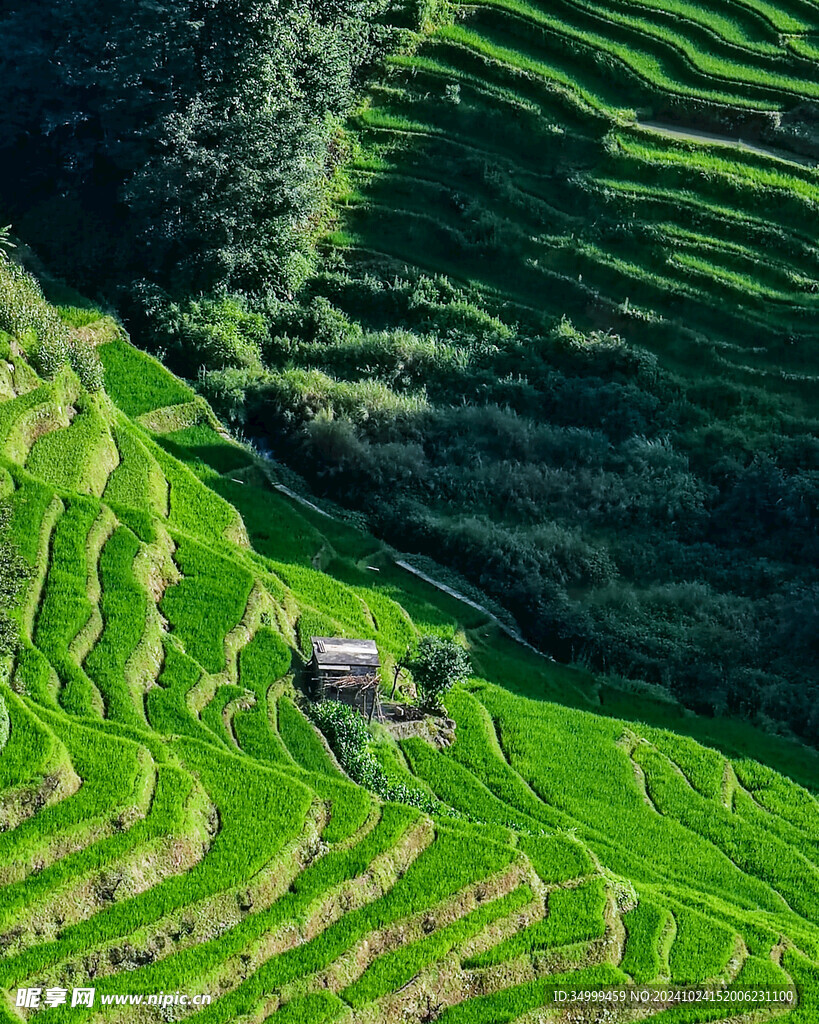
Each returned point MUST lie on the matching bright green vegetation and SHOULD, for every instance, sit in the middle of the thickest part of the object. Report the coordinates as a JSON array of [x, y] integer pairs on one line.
[[319, 1008], [574, 915], [301, 739], [646, 926], [177, 821], [137, 482], [133, 384], [67, 459], [207, 603], [700, 950], [393, 970]]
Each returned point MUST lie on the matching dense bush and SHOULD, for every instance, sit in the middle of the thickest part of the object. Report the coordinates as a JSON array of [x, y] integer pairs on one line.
[[217, 332], [346, 732], [50, 353], [14, 574], [187, 142], [25, 313], [87, 365], [437, 666]]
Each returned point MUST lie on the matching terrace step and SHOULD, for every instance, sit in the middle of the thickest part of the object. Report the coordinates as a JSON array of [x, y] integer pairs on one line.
[[112, 865]]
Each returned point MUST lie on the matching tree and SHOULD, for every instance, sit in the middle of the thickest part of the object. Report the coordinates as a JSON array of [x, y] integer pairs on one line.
[[14, 572], [195, 131], [438, 665]]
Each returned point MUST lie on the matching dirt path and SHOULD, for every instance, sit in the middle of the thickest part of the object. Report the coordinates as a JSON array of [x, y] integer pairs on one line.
[[693, 135], [509, 630], [513, 633]]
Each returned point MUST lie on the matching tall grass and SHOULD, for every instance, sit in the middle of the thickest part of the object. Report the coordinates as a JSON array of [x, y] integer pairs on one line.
[[574, 915], [207, 602]]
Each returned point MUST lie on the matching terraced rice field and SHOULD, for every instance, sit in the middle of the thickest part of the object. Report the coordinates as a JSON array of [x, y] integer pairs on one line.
[[172, 821], [646, 166]]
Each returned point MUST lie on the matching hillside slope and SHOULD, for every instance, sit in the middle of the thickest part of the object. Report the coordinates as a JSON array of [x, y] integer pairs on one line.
[[646, 167], [565, 328], [172, 821]]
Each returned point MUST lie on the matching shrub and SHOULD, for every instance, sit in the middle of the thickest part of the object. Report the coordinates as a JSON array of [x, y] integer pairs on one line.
[[215, 332], [347, 735], [24, 312], [51, 351], [87, 365], [437, 666]]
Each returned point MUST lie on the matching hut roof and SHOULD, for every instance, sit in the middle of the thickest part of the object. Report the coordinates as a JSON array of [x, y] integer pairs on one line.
[[337, 653]]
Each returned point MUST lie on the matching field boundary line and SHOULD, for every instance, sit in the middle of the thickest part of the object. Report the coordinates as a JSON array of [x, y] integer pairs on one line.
[[513, 633], [269, 884], [351, 894]]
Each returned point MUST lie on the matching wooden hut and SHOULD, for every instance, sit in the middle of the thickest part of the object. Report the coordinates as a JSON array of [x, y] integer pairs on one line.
[[347, 671], [338, 664]]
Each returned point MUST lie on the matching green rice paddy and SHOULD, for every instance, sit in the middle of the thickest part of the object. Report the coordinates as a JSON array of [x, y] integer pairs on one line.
[[528, 150]]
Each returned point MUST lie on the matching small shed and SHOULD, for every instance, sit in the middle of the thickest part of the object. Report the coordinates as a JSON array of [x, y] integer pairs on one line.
[[336, 660]]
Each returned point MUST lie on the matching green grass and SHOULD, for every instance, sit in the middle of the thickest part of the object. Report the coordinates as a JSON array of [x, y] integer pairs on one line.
[[65, 606], [348, 806], [754, 850], [117, 775], [701, 948], [124, 607], [260, 812], [137, 482], [30, 746], [645, 926], [556, 858], [456, 786], [511, 1003], [574, 915], [757, 974], [201, 443], [581, 71], [593, 781], [264, 661], [261, 664], [213, 714], [315, 881], [318, 1008], [449, 865], [195, 509], [167, 710], [168, 815], [779, 795], [702, 767], [207, 603], [77, 459], [138, 383], [392, 970], [302, 740]]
